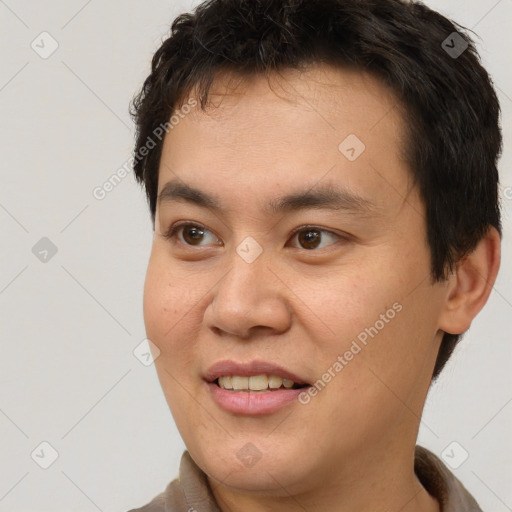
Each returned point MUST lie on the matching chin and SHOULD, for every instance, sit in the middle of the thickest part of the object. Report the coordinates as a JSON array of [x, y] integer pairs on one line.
[[248, 470]]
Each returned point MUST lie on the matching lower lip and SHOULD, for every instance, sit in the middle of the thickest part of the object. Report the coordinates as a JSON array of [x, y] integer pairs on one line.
[[253, 404]]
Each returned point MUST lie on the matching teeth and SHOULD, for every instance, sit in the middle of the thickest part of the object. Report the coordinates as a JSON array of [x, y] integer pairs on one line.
[[274, 382], [287, 383], [240, 382], [258, 382], [225, 382], [254, 383]]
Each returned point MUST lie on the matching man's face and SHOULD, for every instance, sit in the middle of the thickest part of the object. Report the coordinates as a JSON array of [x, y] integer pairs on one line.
[[282, 288]]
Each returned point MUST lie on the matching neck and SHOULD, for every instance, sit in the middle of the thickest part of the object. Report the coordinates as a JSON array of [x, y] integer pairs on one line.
[[370, 487]]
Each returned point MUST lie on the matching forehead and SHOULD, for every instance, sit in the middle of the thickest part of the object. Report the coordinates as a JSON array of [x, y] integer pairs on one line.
[[331, 94], [298, 127]]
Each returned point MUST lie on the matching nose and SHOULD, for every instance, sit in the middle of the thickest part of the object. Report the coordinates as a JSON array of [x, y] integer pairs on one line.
[[251, 298]]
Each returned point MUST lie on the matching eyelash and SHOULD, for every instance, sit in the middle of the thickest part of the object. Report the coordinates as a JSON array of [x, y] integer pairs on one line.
[[173, 230]]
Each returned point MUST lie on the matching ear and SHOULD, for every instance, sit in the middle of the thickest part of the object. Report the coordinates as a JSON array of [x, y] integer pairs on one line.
[[470, 284]]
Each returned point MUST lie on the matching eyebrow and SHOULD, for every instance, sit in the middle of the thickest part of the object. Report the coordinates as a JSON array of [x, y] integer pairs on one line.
[[320, 197]]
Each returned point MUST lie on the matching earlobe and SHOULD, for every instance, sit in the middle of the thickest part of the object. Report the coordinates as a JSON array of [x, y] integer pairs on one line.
[[471, 283]]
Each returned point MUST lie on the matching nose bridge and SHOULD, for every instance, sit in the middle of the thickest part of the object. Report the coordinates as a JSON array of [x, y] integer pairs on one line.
[[247, 283], [249, 295]]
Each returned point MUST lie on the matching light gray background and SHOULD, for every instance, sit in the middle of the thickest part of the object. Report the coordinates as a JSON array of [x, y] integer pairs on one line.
[[68, 375]]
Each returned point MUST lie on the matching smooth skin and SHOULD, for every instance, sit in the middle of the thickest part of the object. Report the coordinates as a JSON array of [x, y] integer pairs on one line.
[[301, 304]]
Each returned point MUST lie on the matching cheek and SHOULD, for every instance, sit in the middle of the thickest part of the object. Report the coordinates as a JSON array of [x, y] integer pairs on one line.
[[168, 304], [344, 302], [160, 304], [169, 320], [377, 315]]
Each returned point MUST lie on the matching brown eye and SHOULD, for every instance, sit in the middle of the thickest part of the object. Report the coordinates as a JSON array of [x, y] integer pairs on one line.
[[192, 235], [312, 238]]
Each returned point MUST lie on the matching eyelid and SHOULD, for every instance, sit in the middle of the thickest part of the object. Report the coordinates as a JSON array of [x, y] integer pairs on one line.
[[171, 233], [340, 236]]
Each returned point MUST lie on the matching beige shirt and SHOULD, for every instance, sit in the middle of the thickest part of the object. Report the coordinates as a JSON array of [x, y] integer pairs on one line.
[[191, 491]]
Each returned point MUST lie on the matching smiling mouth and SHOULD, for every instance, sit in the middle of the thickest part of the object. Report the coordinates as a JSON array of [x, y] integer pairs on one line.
[[256, 383]]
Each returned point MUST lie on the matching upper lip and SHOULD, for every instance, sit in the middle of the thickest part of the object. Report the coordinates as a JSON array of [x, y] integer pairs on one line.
[[248, 369]]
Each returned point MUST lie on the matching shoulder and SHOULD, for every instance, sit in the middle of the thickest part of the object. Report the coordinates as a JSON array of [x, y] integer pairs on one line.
[[442, 484], [190, 491], [171, 500]]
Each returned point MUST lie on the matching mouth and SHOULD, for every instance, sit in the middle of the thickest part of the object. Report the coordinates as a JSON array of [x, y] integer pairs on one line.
[[253, 388]]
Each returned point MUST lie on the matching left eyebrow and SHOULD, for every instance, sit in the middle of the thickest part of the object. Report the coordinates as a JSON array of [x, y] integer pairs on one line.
[[321, 197]]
